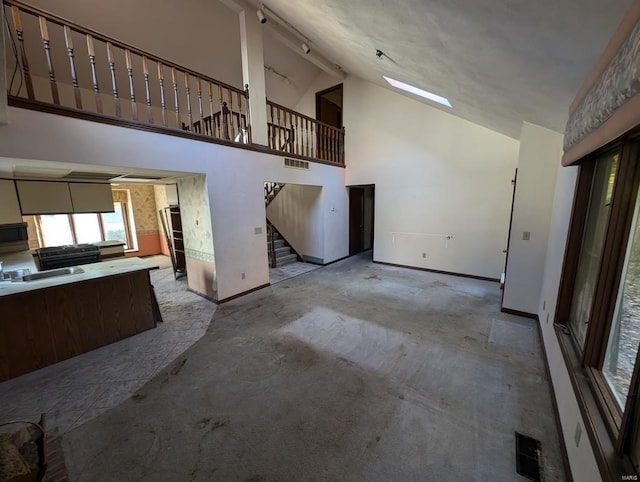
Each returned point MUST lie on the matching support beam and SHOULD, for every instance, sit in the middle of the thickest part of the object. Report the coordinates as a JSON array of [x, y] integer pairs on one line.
[[253, 74]]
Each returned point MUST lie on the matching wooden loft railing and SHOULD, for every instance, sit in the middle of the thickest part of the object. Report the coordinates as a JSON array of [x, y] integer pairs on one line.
[[56, 65], [294, 133], [57, 62]]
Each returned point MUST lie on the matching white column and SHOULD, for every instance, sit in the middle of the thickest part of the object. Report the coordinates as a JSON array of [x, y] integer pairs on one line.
[[3, 70], [253, 73]]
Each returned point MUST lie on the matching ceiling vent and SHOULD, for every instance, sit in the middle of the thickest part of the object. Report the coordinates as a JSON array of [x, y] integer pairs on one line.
[[142, 177], [296, 163]]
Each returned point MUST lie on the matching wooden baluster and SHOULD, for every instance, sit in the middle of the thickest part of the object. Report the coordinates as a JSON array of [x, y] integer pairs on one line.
[[333, 145], [272, 131], [211, 112], [17, 24], [94, 73], [314, 143], [176, 101], [187, 87], [163, 101], [306, 136], [147, 88], [132, 93], [224, 115], [230, 97], [114, 84], [199, 89], [279, 146], [241, 130], [329, 143], [44, 33], [342, 145], [68, 39], [298, 144]]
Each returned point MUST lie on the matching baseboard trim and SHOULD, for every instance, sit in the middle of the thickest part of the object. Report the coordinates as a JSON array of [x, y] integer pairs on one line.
[[230, 298], [451, 273], [202, 295], [556, 409], [524, 314]]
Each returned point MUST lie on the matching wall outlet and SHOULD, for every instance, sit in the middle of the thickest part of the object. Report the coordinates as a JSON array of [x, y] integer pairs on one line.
[[424, 255], [526, 235], [243, 276], [257, 230], [578, 434]]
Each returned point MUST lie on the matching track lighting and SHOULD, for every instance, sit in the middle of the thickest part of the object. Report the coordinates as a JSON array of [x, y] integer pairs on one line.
[[305, 48], [261, 15]]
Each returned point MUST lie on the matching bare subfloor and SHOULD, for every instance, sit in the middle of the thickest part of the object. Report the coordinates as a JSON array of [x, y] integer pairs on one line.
[[356, 371]]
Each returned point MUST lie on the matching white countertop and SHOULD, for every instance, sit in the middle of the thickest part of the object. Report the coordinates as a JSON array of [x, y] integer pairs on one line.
[[91, 271]]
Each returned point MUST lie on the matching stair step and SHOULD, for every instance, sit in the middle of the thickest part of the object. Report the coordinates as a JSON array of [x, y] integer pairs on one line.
[[278, 243], [286, 260], [282, 250]]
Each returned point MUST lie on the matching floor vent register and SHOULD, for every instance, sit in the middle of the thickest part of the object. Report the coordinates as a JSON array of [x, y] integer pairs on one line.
[[528, 457]]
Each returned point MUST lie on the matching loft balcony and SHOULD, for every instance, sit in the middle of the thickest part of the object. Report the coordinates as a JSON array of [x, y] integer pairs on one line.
[[57, 66]]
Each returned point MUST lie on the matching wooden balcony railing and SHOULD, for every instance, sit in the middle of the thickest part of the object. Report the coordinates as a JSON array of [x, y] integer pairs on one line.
[[294, 133], [55, 61]]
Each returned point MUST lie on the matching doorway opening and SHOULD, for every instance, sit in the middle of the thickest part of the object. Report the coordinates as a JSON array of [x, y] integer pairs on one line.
[[329, 106], [361, 218]]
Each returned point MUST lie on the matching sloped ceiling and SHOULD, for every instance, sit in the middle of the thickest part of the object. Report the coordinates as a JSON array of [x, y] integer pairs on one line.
[[499, 62]]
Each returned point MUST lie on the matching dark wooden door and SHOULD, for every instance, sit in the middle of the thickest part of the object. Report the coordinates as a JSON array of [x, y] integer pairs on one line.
[[356, 220]]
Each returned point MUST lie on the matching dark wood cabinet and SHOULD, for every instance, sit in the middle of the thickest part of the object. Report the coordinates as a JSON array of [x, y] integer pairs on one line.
[[45, 326]]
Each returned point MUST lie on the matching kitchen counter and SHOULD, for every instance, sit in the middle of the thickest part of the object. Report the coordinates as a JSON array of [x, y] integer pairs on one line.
[[49, 320], [91, 272]]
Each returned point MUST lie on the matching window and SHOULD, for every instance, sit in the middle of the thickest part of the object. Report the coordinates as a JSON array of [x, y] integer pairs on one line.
[[600, 301], [61, 229]]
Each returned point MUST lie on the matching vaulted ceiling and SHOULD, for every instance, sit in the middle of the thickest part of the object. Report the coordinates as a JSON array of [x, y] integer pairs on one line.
[[499, 62]]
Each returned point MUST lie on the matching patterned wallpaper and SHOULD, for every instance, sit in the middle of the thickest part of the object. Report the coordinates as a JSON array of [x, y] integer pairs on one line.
[[143, 203], [619, 82], [196, 217]]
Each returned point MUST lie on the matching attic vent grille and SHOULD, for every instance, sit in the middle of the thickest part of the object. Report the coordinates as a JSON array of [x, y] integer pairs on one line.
[[296, 163]]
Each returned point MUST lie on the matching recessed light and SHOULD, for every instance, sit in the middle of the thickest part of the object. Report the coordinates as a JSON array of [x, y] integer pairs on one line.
[[417, 91]]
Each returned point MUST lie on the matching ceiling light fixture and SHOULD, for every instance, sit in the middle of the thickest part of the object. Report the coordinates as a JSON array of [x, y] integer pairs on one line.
[[417, 91], [305, 47], [261, 16]]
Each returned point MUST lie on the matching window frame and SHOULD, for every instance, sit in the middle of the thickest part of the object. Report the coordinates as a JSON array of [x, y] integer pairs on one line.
[[608, 427], [126, 213]]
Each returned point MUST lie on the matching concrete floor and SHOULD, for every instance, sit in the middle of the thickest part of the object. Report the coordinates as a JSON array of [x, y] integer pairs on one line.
[[356, 371]]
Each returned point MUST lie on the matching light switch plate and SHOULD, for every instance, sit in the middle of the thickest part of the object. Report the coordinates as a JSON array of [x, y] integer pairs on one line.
[[257, 231], [526, 235]]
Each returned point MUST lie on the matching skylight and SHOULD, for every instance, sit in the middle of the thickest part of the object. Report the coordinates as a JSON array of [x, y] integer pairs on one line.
[[416, 91]]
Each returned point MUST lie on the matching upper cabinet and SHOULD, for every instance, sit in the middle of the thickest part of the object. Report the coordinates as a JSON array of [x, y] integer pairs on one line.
[[91, 198], [44, 197], [9, 206], [50, 197]]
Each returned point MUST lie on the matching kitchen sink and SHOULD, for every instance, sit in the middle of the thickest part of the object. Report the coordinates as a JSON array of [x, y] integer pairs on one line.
[[51, 274]]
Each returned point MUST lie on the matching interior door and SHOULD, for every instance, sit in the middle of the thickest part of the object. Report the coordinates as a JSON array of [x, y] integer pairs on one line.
[[356, 220], [506, 251]]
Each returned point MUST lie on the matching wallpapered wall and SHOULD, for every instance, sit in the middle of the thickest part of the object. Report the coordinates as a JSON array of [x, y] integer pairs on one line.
[[143, 203], [196, 217], [160, 193]]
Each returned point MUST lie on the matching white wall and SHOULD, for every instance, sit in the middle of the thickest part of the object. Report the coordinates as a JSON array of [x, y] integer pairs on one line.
[[434, 175], [539, 158], [296, 212], [581, 458], [235, 179]]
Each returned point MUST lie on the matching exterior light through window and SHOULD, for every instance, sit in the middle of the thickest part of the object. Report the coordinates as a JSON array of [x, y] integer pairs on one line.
[[416, 91]]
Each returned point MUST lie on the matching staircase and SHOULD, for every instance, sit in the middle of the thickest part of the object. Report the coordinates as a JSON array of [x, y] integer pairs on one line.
[[280, 254], [283, 253]]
